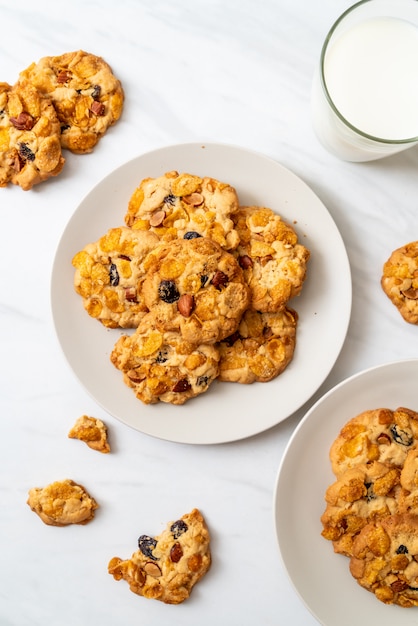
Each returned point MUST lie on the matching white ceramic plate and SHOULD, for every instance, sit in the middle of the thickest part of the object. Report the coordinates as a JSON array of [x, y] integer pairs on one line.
[[321, 577], [228, 411]]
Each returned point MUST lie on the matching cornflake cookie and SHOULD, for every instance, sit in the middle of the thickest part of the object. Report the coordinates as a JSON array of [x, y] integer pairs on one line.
[[385, 559], [176, 205], [363, 493], [260, 349], [109, 276], [30, 147], [162, 366], [167, 567], [62, 503], [400, 281], [92, 431], [375, 435], [87, 97], [274, 262], [195, 287]]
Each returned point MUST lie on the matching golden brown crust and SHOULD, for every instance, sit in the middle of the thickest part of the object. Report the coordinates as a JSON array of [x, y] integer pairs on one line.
[[400, 281], [167, 567], [62, 503]]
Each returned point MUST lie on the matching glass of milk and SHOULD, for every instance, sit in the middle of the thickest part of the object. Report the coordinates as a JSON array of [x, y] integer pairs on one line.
[[365, 90]]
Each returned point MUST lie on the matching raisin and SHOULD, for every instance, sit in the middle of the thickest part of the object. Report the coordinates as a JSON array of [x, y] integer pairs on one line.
[[402, 549], [176, 552], [202, 381], [114, 275], [220, 280], [178, 528], [203, 280], [95, 94], [168, 291], [231, 339], [25, 152], [162, 356], [191, 234], [370, 493], [170, 199], [65, 127], [181, 385], [147, 544], [403, 437]]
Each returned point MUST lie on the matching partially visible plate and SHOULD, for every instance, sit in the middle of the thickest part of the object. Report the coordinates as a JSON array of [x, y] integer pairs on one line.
[[321, 577], [228, 411]]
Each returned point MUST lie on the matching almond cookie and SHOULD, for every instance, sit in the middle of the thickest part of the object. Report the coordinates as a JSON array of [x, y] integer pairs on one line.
[[375, 435], [109, 276], [400, 281], [195, 287], [162, 366], [274, 262], [184, 205], [385, 559], [260, 349], [62, 503], [87, 96], [92, 431], [363, 493], [167, 567], [30, 148]]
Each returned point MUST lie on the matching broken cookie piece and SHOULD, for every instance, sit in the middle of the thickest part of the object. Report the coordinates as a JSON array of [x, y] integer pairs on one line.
[[62, 503], [92, 431]]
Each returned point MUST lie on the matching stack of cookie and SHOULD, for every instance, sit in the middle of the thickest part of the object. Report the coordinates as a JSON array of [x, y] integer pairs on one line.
[[371, 514], [204, 282], [61, 102]]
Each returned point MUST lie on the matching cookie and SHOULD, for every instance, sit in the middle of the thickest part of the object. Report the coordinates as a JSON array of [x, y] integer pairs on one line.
[[30, 147], [167, 567], [385, 559], [363, 493], [92, 431], [162, 366], [87, 97], [176, 205], [109, 276], [195, 287], [400, 281], [260, 349], [375, 435], [273, 261], [62, 503]]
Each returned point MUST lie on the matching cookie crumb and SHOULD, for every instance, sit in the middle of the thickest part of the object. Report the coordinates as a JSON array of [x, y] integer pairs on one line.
[[92, 431]]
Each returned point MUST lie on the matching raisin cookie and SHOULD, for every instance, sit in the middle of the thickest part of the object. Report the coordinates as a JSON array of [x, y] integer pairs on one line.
[[274, 263], [385, 559], [167, 567], [176, 205], [260, 349], [363, 493], [162, 366], [30, 147], [62, 503], [375, 435], [87, 96], [400, 281], [92, 431], [109, 276], [195, 287]]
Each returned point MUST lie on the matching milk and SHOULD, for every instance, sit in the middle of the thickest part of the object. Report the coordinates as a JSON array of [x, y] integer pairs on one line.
[[371, 73]]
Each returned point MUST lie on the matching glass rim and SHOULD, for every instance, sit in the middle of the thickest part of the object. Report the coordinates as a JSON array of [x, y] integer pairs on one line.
[[328, 95]]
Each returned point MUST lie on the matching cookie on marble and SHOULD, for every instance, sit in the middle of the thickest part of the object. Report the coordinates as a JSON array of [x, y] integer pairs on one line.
[[184, 205], [162, 366], [92, 431], [261, 348], [274, 262], [381, 434], [195, 287], [385, 559], [87, 96], [109, 275], [361, 494], [168, 566], [62, 503], [400, 281], [30, 146]]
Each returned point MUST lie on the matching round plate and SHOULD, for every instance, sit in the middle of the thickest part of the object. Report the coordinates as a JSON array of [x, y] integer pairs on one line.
[[227, 411], [321, 577]]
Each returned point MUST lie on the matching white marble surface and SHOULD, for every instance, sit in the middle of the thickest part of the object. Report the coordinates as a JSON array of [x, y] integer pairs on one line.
[[230, 71]]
